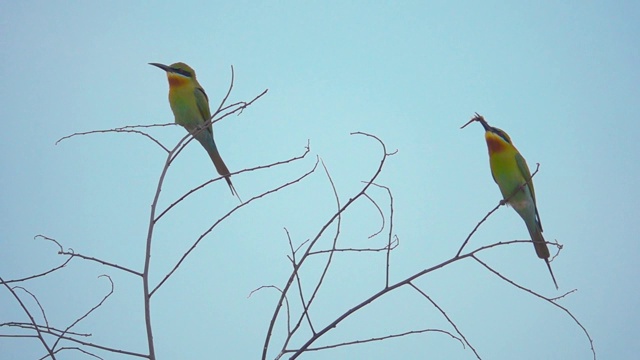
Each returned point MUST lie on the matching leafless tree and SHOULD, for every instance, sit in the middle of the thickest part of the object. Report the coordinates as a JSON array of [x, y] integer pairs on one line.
[[55, 339]]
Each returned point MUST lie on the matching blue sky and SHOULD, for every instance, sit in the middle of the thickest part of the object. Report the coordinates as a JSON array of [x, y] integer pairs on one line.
[[561, 79]]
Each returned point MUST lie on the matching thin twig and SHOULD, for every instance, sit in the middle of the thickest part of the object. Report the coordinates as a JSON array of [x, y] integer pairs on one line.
[[394, 243], [501, 203], [329, 258], [88, 312], [390, 239], [303, 302], [453, 324], [286, 302], [103, 262], [33, 321], [102, 347], [44, 328], [315, 240], [266, 193], [357, 342], [57, 333], [381, 216], [392, 287], [550, 300], [44, 316], [224, 99], [74, 348], [43, 273], [125, 129], [190, 192]]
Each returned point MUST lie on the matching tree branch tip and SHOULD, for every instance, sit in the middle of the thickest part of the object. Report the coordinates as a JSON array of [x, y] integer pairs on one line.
[[262, 287], [563, 295], [108, 278], [46, 238]]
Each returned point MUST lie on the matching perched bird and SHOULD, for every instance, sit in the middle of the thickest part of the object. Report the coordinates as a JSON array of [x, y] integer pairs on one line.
[[190, 106], [511, 173]]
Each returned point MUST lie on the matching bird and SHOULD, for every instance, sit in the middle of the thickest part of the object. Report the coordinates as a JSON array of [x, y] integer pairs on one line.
[[190, 107], [510, 171]]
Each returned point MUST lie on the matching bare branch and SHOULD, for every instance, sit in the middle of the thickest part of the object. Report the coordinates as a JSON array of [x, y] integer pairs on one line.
[[357, 342], [286, 300], [76, 349], [381, 216], [501, 203], [550, 300], [227, 94], [45, 329], [455, 327], [390, 239], [392, 287], [43, 273], [305, 313], [394, 243], [26, 311], [88, 312], [329, 258], [57, 333], [44, 316], [239, 107], [125, 129], [290, 160], [103, 262], [102, 347], [315, 240], [184, 256]]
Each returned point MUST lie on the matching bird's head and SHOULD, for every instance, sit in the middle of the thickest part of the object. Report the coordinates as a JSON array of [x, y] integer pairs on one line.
[[496, 138], [177, 73]]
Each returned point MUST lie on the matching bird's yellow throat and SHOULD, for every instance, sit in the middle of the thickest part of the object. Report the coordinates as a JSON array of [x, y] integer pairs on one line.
[[494, 142], [176, 80]]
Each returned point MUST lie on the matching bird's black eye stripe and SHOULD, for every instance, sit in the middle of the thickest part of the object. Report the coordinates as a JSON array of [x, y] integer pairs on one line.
[[502, 135], [182, 72]]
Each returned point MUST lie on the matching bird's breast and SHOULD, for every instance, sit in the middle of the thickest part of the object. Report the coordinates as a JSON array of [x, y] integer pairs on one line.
[[176, 81], [184, 107], [495, 144]]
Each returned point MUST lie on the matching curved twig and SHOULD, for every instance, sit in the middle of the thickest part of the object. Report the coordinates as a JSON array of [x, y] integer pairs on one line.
[[33, 321], [501, 203], [190, 192], [317, 237], [453, 324], [87, 313], [184, 256], [124, 129], [357, 342], [550, 300], [42, 273]]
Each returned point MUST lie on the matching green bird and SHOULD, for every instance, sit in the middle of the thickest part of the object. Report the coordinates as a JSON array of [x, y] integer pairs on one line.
[[190, 106], [511, 173]]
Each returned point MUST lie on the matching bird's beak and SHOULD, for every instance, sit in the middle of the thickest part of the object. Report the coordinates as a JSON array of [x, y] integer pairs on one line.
[[479, 118], [163, 67], [484, 123], [465, 125]]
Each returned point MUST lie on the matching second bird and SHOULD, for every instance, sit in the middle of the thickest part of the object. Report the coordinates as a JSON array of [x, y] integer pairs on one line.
[[190, 106], [511, 173]]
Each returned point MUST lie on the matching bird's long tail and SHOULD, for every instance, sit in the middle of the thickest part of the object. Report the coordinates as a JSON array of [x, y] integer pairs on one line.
[[221, 167], [541, 246]]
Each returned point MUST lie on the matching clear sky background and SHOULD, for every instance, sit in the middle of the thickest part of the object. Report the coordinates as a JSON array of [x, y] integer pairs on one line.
[[562, 79]]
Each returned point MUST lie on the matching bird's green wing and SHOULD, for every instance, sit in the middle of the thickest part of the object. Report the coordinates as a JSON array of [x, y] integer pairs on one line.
[[203, 104], [524, 169]]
